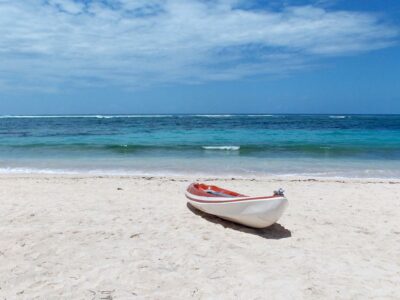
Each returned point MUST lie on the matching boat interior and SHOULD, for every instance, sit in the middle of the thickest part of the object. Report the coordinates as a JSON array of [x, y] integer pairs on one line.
[[216, 191]]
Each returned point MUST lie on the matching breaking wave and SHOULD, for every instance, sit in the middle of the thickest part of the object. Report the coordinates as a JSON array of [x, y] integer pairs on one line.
[[226, 148], [338, 117]]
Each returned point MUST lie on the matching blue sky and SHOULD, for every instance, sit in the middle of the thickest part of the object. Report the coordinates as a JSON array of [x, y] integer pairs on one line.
[[199, 56]]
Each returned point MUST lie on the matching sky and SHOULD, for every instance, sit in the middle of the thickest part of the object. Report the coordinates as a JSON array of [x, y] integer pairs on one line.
[[199, 56]]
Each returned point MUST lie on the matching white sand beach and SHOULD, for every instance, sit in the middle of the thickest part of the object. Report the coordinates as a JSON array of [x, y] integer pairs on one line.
[[80, 237]]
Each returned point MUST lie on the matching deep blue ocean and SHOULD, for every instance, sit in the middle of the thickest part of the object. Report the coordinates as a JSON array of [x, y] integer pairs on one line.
[[366, 146]]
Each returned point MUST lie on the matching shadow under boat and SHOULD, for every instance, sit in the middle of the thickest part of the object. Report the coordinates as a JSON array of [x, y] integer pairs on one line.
[[274, 232]]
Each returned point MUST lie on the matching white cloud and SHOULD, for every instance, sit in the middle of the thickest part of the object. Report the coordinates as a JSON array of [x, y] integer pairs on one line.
[[67, 6], [140, 43]]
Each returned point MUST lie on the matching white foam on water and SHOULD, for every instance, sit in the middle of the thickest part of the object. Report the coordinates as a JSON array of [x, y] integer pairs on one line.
[[34, 171], [201, 173], [338, 117], [226, 148]]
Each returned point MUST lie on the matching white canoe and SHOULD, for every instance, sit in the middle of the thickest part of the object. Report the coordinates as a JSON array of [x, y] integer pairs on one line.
[[257, 212]]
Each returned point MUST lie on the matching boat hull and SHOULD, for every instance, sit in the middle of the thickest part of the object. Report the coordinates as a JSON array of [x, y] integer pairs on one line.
[[257, 212]]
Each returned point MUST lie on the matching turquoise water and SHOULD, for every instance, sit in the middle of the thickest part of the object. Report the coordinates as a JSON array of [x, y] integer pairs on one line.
[[217, 145]]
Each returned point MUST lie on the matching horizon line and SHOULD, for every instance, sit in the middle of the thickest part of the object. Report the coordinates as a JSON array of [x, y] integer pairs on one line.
[[193, 114]]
